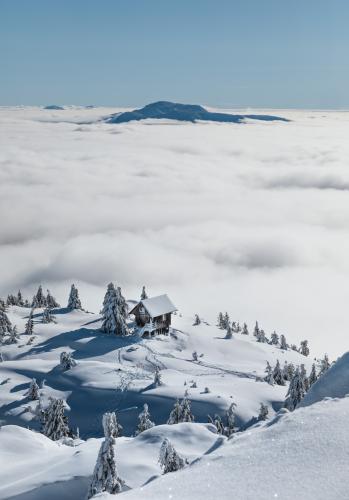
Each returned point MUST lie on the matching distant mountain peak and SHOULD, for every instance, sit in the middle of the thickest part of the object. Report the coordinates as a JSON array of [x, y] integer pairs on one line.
[[183, 112]]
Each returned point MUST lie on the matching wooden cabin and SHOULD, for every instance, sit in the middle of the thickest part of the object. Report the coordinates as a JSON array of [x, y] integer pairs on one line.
[[153, 316]]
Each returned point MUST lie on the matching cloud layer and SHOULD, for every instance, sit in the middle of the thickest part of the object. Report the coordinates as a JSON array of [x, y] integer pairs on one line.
[[251, 218]]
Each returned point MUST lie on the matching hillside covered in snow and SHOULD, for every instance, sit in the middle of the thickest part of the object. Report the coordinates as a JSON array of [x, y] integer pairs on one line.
[[228, 376]]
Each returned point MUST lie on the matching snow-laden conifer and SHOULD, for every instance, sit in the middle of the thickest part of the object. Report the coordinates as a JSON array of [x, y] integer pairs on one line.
[[111, 426], [47, 316], [29, 326], [51, 302], [157, 377], [33, 391], [295, 392], [263, 412], [278, 375], [304, 349], [186, 413], [229, 334], [274, 338], [56, 423], [20, 301], [73, 300], [283, 343], [5, 325], [303, 374], [176, 414], [13, 336], [39, 299], [197, 320], [245, 329], [144, 294], [269, 374], [66, 360], [114, 312], [217, 422], [256, 330], [169, 459], [144, 420], [313, 375], [105, 475], [324, 364], [220, 321]]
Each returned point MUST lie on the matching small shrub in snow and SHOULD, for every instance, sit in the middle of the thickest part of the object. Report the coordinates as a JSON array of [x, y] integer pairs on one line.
[[66, 360], [105, 475], [56, 423], [111, 426], [206, 390], [33, 392], [197, 320], [169, 459], [217, 422], [144, 420], [195, 356], [230, 427]]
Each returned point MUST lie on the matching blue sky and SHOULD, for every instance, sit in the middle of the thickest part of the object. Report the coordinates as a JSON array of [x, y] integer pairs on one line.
[[260, 53]]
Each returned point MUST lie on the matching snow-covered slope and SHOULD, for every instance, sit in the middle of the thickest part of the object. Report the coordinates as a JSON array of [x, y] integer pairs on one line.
[[303, 455], [333, 384], [116, 374]]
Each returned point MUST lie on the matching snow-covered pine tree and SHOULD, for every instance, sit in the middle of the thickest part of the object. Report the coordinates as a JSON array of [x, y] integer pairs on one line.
[[313, 376], [303, 374], [324, 364], [66, 360], [157, 377], [291, 370], [226, 321], [144, 420], [197, 320], [2, 305], [33, 391], [144, 294], [304, 349], [5, 325], [269, 374], [39, 299], [230, 427], [73, 300], [274, 339], [186, 413], [283, 343], [263, 412], [20, 301], [256, 330], [278, 375], [13, 336], [217, 422], [285, 373], [295, 391], [176, 414], [238, 327], [220, 321], [29, 326], [105, 475], [51, 302], [111, 426], [11, 300], [56, 423], [195, 356], [245, 329], [169, 459], [47, 316], [261, 337], [229, 334], [114, 312]]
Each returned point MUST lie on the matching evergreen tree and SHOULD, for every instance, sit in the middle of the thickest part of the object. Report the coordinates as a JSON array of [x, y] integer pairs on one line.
[[256, 330], [114, 312], [245, 329], [238, 327], [313, 376], [29, 326], [229, 334], [230, 427], [11, 300], [20, 301], [73, 300], [217, 422], [176, 414], [226, 321], [303, 374], [105, 476], [144, 294], [2, 305], [144, 420], [285, 372], [261, 337], [51, 302], [295, 392], [324, 365], [274, 339], [39, 300], [47, 316], [220, 322], [195, 356], [5, 325], [197, 320], [26, 303], [33, 392], [277, 374], [169, 459], [283, 343], [304, 349], [291, 370], [263, 412], [186, 414], [66, 360], [111, 426], [13, 336], [269, 374], [56, 423], [157, 377]]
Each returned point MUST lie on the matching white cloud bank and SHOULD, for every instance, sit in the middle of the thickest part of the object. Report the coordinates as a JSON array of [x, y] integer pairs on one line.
[[249, 218]]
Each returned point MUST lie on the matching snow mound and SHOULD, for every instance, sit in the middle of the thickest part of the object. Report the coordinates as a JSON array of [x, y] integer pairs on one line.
[[183, 112], [333, 384]]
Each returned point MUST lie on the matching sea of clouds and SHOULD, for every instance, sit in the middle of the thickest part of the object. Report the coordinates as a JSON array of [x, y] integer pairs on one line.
[[250, 218]]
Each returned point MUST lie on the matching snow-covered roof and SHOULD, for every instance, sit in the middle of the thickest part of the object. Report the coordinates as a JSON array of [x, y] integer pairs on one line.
[[156, 306]]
